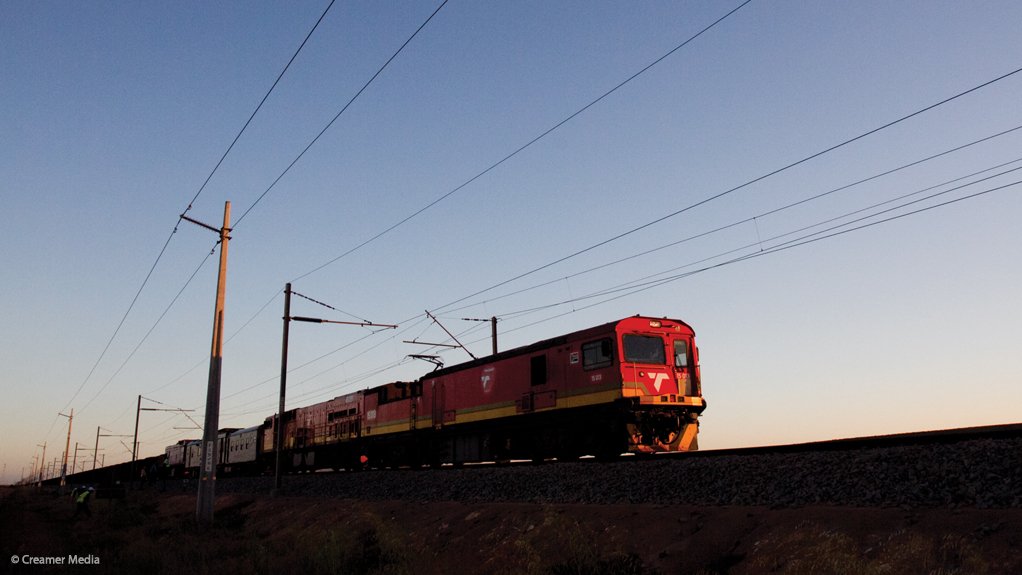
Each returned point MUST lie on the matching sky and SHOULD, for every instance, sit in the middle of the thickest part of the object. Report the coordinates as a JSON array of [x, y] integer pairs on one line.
[[432, 192]]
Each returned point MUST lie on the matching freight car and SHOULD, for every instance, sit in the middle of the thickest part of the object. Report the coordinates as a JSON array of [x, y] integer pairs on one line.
[[628, 386]]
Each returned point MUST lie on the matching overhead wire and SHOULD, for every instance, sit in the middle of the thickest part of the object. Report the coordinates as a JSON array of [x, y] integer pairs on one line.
[[684, 209], [735, 188], [345, 384], [147, 334], [644, 284], [163, 250], [205, 359], [306, 149], [314, 360], [259, 106], [523, 147], [338, 115], [779, 170], [120, 324], [649, 281], [795, 243], [764, 214], [366, 85], [328, 306]]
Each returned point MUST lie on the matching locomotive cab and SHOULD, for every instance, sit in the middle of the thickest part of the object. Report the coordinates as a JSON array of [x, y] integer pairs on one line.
[[660, 378]]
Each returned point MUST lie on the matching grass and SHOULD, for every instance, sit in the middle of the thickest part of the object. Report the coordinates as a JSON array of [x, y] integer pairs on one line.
[[559, 545], [148, 534], [813, 549]]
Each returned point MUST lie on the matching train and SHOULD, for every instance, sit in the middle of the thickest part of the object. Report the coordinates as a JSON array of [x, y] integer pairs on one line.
[[629, 386]]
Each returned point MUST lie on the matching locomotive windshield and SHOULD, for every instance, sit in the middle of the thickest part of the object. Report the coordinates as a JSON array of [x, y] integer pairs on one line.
[[644, 349], [680, 353]]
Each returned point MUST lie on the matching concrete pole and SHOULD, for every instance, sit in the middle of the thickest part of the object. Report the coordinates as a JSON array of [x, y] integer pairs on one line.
[[279, 430], [67, 446], [493, 333], [134, 443], [207, 463], [42, 464]]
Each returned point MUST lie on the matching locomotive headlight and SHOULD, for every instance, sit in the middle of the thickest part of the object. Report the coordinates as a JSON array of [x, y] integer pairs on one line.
[[654, 323]]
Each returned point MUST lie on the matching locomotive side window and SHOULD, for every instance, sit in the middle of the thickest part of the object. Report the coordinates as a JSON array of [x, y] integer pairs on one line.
[[680, 353], [537, 369], [644, 349], [597, 354]]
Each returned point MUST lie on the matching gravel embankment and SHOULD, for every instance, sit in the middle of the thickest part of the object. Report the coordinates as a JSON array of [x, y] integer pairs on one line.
[[983, 473]]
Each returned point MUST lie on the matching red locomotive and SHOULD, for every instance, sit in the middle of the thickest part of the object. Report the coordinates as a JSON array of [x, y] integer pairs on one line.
[[627, 386]]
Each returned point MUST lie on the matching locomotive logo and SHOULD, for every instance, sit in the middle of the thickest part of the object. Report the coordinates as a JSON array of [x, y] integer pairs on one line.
[[659, 383], [488, 377], [658, 380]]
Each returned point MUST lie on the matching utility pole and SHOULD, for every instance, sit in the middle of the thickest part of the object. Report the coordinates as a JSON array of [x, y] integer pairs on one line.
[[96, 450], [134, 443], [493, 333], [207, 463], [278, 443], [493, 329], [138, 410], [279, 430], [42, 463], [67, 446], [74, 462]]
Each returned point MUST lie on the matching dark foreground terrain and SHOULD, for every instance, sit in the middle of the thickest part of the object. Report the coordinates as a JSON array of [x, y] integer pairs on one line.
[[153, 532]]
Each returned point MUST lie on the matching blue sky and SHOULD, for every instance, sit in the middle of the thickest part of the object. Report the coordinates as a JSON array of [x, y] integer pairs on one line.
[[113, 115]]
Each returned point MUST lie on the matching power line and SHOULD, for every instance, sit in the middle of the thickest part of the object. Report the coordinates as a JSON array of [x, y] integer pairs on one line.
[[338, 115], [258, 107], [633, 288], [328, 306], [522, 148], [794, 243], [506, 158], [148, 333], [712, 198], [707, 200], [189, 207], [642, 284], [328, 354], [770, 212], [736, 188], [205, 360], [121, 323]]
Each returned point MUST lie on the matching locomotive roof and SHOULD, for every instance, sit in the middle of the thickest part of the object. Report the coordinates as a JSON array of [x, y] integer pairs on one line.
[[544, 344], [246, 430]]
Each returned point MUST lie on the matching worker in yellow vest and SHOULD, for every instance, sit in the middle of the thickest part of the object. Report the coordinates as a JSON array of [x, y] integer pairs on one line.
[[80, 496]]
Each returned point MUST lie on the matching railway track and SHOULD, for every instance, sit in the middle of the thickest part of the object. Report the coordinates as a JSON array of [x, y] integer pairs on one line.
[[974, 467], [934, 437]]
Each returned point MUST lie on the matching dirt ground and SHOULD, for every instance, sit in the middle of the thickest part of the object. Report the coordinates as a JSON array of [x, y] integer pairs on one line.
[[156, 533]]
